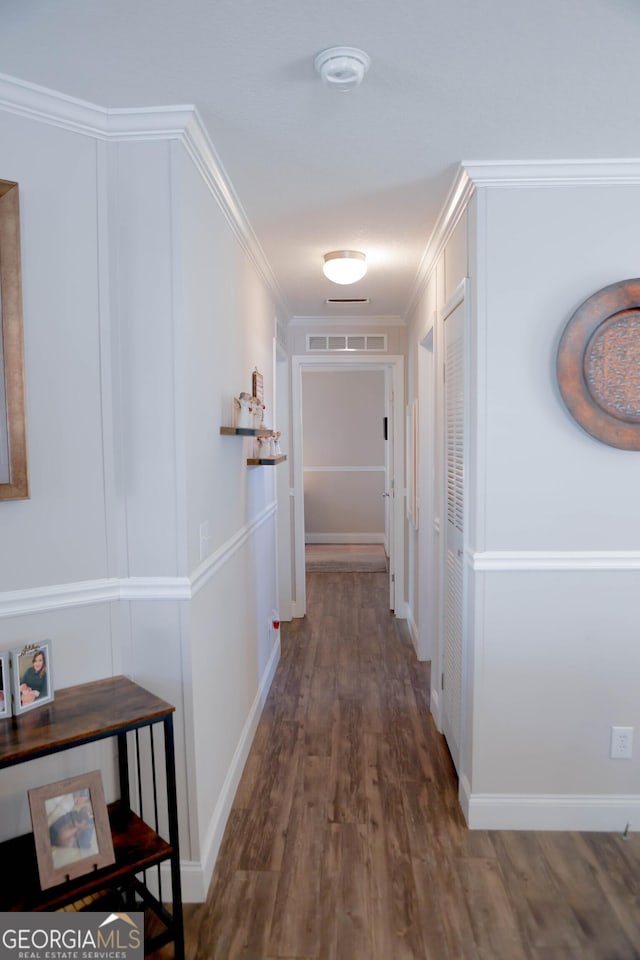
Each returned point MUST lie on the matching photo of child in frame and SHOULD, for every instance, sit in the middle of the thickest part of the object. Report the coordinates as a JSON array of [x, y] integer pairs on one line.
[[71, 828], [72, 832]]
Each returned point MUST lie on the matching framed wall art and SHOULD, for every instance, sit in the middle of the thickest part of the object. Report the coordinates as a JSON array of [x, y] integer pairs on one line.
[[14, 484], [257, 385], [70, 828], [598, 365], [31, 676]]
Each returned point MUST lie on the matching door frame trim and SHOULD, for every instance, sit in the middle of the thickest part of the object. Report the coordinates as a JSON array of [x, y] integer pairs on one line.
[[459, 297], [394, 365]]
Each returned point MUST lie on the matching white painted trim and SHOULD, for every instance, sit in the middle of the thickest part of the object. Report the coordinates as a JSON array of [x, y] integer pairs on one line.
[[454, 206], [345, 537], [219, 557], [195, 875], [413, 631], [201, 150], [435, 703], [345, 320], [602, 813], [59, 596], [344, 469], [394, 363], [492, 561], [180, 122], [550, 173], [80, 116]]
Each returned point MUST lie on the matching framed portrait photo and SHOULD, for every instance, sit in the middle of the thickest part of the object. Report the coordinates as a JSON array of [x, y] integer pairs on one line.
[[32, 679], [5, 686], [70, 828]]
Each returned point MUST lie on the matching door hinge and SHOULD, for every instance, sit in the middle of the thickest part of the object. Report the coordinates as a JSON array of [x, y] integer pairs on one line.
[[393, 578], [442, 682]]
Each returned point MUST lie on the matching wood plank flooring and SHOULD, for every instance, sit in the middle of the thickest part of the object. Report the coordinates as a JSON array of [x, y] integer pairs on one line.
[[346, 841]]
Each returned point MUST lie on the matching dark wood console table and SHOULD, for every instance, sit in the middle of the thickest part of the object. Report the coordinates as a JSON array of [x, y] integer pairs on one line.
[[116, 707]]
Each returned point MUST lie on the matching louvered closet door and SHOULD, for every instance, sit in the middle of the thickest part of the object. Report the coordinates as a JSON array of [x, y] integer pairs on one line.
[[454, 510]]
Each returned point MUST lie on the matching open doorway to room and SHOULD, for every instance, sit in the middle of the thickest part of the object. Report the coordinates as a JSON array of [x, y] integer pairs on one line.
[[345, 474], [348, 468]]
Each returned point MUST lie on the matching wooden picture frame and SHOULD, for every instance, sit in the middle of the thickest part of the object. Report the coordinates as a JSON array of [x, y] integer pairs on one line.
[[14, 481], [257, 386], [31, 676], [70, 828], [5, 686]]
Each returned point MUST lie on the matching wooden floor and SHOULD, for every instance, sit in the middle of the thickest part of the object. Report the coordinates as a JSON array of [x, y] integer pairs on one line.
[[346, 841]]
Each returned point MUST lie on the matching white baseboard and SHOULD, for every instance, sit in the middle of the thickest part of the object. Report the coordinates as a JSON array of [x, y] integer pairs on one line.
[[344, 538], [608, 814], [435, 706], [401, 610], [196, 875], [413, 631]]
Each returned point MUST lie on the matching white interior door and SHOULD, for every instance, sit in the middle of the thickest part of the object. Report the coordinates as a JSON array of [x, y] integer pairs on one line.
[[453, 580]]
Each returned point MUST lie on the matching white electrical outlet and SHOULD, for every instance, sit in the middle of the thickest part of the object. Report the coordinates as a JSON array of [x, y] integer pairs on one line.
[[621, 743]]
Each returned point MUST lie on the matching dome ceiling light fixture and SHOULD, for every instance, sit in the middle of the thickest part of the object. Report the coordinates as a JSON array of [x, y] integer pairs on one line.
[[342, 68], [344, 266]]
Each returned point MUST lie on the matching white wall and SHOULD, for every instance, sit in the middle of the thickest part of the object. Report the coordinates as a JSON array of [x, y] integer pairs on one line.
[[59, 535], [553, 568], [557, 654], [146, 309], [344, 455]]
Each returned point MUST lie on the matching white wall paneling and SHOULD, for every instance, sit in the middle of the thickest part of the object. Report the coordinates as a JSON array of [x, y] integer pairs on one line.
[[147, 304]]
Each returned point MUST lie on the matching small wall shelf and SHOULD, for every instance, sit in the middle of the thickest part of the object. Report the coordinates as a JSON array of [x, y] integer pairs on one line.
[[266, 461], [245, 432]]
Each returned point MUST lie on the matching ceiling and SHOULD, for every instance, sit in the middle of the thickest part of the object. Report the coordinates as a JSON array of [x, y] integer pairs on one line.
[[318, 170]]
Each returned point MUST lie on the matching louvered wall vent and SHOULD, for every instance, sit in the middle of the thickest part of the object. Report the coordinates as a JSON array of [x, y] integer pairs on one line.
[[366, 343]]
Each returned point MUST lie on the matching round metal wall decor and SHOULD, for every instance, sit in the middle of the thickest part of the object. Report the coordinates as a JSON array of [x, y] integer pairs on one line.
[[598, 365]]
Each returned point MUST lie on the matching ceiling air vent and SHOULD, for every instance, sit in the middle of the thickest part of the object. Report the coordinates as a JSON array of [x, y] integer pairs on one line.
[[364, 343]]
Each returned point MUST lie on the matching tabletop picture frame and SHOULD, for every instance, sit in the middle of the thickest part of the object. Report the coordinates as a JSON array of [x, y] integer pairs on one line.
[[32, 676], [5, 686], [70, 828]]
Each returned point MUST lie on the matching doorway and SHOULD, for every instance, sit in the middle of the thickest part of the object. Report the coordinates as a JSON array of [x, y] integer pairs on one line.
[[392, 369]]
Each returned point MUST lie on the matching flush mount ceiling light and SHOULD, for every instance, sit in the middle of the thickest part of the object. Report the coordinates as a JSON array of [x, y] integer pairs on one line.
[[342, 68], [344, 266]]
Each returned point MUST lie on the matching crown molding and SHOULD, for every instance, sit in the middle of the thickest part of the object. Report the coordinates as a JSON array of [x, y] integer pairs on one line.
[[181, 123], [460, 193], [550, 173], [519, 173], [345, 321]]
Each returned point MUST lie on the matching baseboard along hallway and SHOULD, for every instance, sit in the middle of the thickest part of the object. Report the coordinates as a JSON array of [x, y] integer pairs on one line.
[[346, 840]]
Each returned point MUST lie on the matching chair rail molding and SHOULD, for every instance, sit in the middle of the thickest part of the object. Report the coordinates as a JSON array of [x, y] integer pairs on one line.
[[15, 603], [491, 561]]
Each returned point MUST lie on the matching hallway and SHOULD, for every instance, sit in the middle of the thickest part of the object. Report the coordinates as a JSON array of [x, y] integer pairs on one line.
[[346, 841]]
